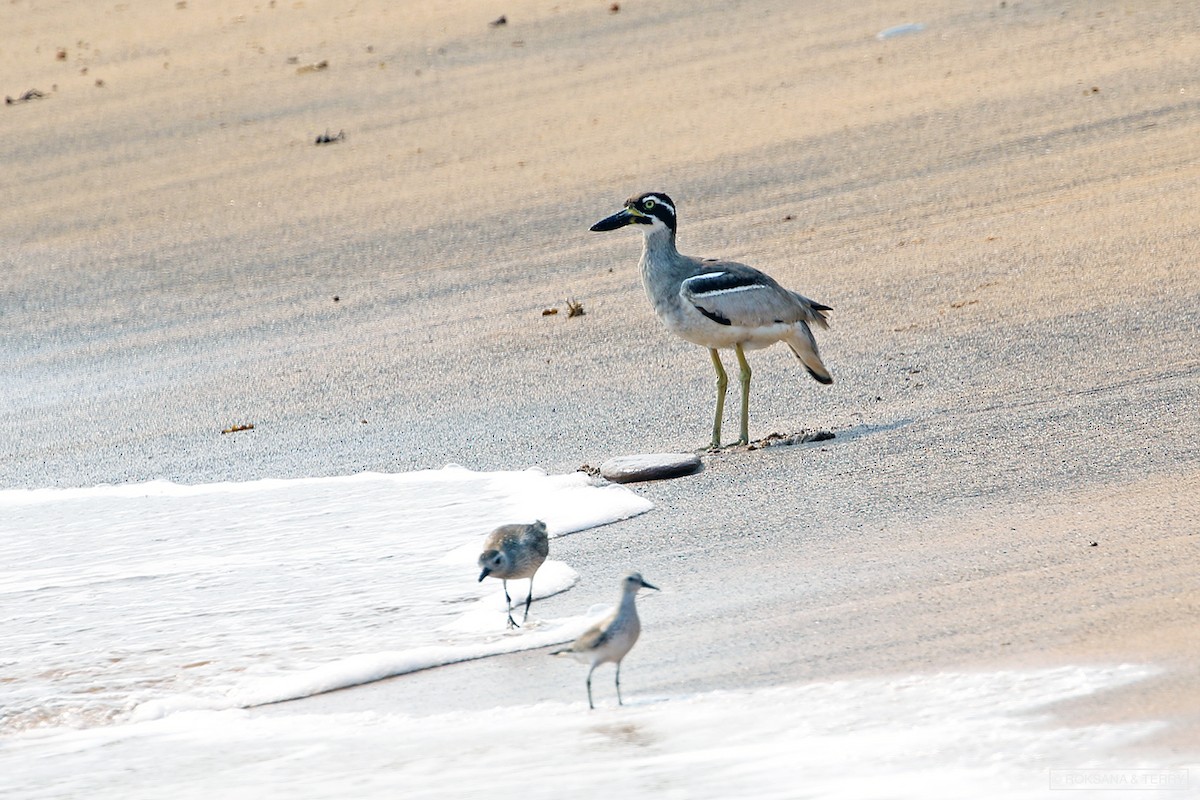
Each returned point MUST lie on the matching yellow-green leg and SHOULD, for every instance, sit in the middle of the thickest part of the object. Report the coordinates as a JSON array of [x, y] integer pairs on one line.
[[744, 377], [722, 384]]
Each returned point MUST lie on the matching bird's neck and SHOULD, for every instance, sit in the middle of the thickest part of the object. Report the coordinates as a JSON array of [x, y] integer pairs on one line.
[[659, 260], [628, 604], [659, 242]]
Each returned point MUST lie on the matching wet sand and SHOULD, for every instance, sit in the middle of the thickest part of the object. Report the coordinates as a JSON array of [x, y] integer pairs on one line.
[[999, 207]]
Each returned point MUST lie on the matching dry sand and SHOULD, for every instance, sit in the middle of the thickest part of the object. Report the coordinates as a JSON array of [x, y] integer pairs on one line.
[[1001, 208]]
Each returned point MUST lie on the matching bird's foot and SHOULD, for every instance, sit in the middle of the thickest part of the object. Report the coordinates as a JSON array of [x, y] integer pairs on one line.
[[717, 447], [512, 623]]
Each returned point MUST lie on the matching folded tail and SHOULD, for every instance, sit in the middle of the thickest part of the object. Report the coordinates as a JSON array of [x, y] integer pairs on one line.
[[805, 347], [814, 312]]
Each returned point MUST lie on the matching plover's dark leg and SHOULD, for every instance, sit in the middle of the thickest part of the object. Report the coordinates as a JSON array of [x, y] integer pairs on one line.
[[512, 623], [528, 599]]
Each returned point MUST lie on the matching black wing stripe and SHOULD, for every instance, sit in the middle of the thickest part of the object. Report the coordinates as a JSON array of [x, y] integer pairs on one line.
[[719, 283], [713, 315]]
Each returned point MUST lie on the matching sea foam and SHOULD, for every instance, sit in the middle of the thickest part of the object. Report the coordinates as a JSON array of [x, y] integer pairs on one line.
[[139, 600]]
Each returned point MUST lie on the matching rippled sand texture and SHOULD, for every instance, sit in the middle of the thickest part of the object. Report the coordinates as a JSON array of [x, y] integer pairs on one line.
[[1000, 206]]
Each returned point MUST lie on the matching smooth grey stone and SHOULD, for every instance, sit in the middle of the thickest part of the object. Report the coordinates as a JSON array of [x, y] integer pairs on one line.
[[650, 467]]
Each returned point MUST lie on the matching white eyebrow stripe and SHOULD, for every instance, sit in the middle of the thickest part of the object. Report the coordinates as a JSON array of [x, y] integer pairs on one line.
[[662, 202]]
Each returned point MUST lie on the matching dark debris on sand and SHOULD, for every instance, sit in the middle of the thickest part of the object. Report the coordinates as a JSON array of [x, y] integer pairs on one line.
[[325, 138], [32, 94], [787, 439]]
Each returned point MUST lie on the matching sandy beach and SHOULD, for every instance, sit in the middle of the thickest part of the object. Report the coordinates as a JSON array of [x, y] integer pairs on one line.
[[998, 203]]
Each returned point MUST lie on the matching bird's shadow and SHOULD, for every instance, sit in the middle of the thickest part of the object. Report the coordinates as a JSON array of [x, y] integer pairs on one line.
[[626, 734], [864, 430], [806, 437]]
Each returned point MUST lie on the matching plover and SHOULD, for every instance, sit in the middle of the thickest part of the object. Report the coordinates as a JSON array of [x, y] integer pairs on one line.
[[613, 637], [515, 551]]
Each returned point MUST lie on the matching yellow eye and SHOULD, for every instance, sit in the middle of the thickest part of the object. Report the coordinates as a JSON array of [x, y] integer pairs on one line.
[[648, 203]]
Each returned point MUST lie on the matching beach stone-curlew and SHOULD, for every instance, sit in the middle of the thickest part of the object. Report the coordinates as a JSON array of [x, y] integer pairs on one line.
[[650, 467]]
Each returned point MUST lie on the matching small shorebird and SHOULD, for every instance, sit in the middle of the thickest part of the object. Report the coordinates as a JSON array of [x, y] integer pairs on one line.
[[613, 637], [719, 304], [515, 551]]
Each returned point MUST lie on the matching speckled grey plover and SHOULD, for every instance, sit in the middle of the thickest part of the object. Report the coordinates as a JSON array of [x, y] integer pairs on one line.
[[613, 637], [719, 304], [515, 551]]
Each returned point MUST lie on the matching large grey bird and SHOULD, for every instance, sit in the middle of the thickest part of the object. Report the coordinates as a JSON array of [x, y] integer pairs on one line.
[[515, 551], [719, 304], [613, 637]]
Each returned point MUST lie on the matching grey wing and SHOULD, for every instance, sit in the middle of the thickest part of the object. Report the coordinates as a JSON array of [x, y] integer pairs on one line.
[[537, 539], [592, 638], [730, 293]]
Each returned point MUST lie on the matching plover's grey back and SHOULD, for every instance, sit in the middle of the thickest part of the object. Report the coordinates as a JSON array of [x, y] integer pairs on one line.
[[515, 551]]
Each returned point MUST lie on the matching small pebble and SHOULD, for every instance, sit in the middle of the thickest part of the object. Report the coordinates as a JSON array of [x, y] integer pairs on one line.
[[900, 30], [650, 467]]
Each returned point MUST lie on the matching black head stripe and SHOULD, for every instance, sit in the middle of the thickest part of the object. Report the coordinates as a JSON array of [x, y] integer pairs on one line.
[[655, 204]]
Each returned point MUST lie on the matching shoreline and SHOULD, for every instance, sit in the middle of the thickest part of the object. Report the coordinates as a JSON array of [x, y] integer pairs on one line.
[[999, 207]]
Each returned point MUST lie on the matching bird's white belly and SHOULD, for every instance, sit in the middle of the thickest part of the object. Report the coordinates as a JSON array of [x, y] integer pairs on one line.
[[620, 642], [698, 329]]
